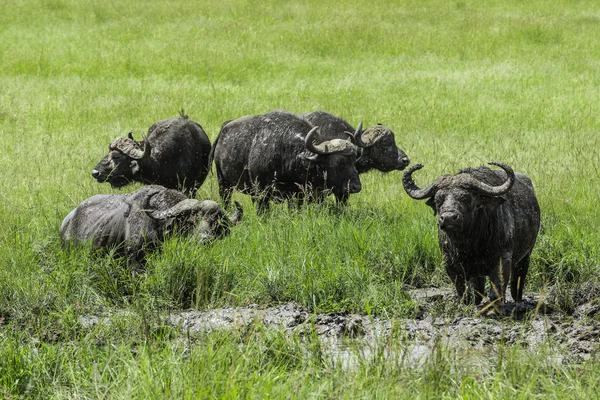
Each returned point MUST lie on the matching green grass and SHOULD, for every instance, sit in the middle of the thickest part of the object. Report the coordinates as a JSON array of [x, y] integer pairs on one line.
[[258, 363], [459, 82]]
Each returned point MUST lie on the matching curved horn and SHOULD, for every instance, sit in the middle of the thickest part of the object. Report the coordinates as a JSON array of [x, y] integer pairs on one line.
[[309, 142], [350, 136], [358, 129], [489, 190], [130, 147], [187, 206], [237, 215], [372, 135], [357, 133], [147, 147], [358, 136], [411, 187], [328, 146]]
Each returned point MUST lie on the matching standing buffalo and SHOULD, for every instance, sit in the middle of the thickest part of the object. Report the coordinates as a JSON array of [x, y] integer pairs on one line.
[[377, 146], [175, 155], [278, 155], [488, 223], [140, 221]]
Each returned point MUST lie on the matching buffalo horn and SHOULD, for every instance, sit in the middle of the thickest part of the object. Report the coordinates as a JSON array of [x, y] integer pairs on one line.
[[350, 136], [309, 142], [147, 147], [372, 135], [130, 148], [488, 190], [353, 136], [411, 187], [326, 147], [187, 206], [358, 135]]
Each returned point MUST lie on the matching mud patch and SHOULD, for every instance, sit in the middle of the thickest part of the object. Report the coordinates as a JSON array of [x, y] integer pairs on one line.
[[528, 325]]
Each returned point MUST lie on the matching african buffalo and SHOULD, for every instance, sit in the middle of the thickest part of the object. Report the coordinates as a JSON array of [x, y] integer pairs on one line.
[[175, 155], [488, 221], [279, 156], [377, 146], [137, 222]]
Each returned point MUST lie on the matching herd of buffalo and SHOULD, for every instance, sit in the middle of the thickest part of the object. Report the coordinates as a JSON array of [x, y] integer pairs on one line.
[[488, 219]]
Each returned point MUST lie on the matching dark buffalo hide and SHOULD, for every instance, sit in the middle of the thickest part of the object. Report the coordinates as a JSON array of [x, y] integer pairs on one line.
[[279, 155], [488, 221], [138, 222], [376, 145], [175, 155]]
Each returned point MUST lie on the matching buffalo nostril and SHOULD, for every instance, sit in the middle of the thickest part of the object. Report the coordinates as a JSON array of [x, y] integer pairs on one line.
[[95, 173], [405, 160], [448, 219]]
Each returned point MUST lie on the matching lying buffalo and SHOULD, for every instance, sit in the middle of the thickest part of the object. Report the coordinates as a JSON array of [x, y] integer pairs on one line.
[[279, 155], [175, 155], [140, 221], [487, 226], [377, 145]]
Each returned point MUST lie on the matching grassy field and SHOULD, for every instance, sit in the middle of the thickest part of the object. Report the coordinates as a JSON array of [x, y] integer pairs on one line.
[[459, 82]]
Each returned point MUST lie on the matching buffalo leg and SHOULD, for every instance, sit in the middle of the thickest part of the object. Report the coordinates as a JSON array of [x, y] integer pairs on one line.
[[459, 283], [262, 203], [225, 187], [518, 275], [477, 288], [499, 281], [342, 199], [225, 193]]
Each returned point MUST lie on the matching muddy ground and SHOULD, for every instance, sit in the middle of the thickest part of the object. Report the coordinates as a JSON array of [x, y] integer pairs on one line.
[[534, 322]]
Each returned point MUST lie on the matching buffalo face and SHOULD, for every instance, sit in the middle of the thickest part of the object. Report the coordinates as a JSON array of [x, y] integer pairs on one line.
[[460, 199], [379, 150], [457, 208], [341, 175], [215, 223], [116, 168], [121, 165]]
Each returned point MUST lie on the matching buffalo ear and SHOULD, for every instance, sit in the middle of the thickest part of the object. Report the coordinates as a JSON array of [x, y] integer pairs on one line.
[[431, 203], [491, 202], [135, 167]]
